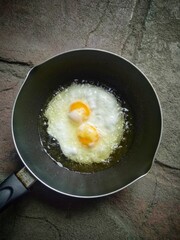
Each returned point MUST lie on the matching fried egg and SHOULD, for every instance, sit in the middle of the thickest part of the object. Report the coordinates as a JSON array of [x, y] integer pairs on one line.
[[87, 121]]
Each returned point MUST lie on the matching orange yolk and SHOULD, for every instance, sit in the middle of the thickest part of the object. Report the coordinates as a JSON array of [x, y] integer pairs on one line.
[[88, 135], [79, 111]]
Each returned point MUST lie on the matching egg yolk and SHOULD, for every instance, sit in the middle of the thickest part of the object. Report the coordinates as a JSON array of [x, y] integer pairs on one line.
[[79, 111], [88, 135]]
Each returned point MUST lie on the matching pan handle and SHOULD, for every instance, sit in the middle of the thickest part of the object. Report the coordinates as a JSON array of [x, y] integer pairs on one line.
[[14, 186]]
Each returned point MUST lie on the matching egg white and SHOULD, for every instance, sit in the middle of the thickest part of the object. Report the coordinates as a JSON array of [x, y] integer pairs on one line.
[[106, 115]]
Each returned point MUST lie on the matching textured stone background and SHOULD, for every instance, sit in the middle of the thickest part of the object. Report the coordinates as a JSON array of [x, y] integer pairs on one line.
[[148, 34]]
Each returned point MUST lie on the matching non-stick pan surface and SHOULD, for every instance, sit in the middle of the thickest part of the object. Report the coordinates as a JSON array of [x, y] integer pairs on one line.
[[103, 67]]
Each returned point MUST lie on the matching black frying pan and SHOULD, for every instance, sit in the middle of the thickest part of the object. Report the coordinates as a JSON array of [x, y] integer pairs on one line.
[[40, 82]]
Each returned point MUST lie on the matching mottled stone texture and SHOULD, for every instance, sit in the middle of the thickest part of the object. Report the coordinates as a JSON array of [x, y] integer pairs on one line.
[[145, 32]]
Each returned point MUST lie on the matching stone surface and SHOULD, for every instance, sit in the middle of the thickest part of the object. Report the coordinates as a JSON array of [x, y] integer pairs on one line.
[[40, 30], [145, 32]]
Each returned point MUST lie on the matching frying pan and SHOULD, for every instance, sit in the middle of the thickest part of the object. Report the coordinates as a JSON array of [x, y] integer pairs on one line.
[[106, 68]]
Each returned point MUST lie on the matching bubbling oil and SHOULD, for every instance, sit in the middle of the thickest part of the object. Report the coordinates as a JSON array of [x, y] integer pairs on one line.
[[52, 148]]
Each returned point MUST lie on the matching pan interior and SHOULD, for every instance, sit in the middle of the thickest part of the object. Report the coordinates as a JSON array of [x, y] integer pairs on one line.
[[105, 68]]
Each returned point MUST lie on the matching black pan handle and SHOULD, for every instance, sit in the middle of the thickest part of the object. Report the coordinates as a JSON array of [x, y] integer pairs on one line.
[[14, 186]]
